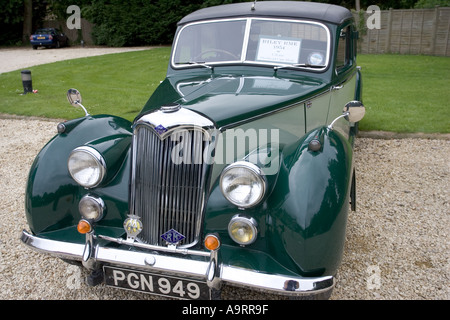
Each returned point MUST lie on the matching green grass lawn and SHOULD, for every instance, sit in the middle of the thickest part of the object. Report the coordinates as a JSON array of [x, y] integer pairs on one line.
[[118, 84], [401, 93], [406, 93]]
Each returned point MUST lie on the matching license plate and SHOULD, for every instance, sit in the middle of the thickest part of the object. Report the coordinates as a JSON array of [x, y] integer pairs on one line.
[[41, 38], [156, 284]]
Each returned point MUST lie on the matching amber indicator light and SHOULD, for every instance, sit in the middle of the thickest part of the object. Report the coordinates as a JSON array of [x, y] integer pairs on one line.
[[212, 242], [84, 227]]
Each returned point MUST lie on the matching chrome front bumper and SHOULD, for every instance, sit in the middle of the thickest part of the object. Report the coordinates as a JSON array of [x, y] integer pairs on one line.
[[209, 270]]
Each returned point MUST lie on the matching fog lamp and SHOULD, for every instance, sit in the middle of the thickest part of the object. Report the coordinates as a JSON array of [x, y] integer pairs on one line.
[[243, 230], [91, 207]]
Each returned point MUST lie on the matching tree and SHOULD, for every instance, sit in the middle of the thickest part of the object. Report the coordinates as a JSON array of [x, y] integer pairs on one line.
[[11, 19], [432, 3], [27, 20], [383, 4], [140, 22]]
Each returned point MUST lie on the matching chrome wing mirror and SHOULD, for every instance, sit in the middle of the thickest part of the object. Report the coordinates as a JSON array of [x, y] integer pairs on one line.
[[74, 97], [353, 111]]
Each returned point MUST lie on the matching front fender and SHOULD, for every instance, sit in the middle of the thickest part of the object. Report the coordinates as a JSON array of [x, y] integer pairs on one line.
[[52, 196], [310, 219], [302, 220]]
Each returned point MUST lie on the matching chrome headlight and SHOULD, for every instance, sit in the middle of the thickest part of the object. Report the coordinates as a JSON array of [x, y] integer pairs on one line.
[[91, 207], [243, 184], [86, 166], [243, 230]]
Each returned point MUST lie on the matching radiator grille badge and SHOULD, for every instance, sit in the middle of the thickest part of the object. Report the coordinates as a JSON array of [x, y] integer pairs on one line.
[[160, 129], [172, 236]]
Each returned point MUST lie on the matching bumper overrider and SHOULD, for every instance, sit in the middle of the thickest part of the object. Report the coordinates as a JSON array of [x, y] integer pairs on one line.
[[203, 266]]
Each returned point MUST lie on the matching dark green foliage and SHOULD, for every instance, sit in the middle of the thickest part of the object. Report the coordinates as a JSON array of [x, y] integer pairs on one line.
[[431, 4], [11, 22], [12, 19], [140, 22]]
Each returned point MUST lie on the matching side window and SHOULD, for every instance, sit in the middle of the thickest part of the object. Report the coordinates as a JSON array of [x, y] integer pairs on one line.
[[344, 48]]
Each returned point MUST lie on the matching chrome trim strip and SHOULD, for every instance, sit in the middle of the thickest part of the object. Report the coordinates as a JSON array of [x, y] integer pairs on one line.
[[210, 270]]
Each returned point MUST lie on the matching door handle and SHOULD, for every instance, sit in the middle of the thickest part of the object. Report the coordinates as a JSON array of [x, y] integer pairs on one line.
[[338, 87]]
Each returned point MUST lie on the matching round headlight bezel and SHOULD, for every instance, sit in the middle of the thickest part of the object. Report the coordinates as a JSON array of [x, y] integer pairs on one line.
[[96, 158], [95, 202], [244, 221], [253, 171]]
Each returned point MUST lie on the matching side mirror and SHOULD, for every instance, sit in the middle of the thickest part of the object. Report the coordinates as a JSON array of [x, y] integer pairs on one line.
[[74, 97], [353, 111]]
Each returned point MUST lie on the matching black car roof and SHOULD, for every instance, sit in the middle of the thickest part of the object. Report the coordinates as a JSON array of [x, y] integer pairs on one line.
[[285, 9]]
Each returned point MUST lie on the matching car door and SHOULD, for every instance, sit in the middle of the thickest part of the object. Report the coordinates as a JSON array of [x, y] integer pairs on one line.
[[343, 88]]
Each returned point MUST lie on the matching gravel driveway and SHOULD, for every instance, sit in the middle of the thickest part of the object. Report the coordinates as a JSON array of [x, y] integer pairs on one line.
[[397, 241], [14, 59]]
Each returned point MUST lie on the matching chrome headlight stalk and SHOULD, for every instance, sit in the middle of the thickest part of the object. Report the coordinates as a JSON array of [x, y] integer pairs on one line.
[[86, 166], [243, 184]]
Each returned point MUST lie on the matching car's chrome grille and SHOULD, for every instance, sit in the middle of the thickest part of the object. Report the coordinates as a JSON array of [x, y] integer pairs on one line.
[[168, 183]]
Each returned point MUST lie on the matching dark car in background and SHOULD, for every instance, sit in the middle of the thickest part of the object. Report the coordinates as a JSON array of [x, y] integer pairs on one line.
[[49, 38]]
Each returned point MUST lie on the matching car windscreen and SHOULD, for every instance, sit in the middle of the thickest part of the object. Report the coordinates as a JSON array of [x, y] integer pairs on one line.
[[264, 41], [43, 31], [210, 42]]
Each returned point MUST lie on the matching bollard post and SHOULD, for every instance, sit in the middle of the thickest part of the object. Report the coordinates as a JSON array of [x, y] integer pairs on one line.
[[26, 81]]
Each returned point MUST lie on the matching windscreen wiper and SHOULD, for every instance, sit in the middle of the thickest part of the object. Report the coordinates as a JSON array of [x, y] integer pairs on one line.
[[198, 63], [300, 66]]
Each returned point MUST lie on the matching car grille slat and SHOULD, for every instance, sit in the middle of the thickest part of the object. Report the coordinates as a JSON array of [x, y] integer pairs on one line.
[[168, 194]]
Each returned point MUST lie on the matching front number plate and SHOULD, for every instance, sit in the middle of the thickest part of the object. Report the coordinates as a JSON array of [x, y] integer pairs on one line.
[[156, 284]]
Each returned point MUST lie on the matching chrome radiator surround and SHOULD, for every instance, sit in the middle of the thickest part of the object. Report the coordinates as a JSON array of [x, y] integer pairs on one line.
[[169, 173]]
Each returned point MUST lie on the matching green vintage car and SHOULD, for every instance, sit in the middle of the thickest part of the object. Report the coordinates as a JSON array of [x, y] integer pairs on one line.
[[237, 171]]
